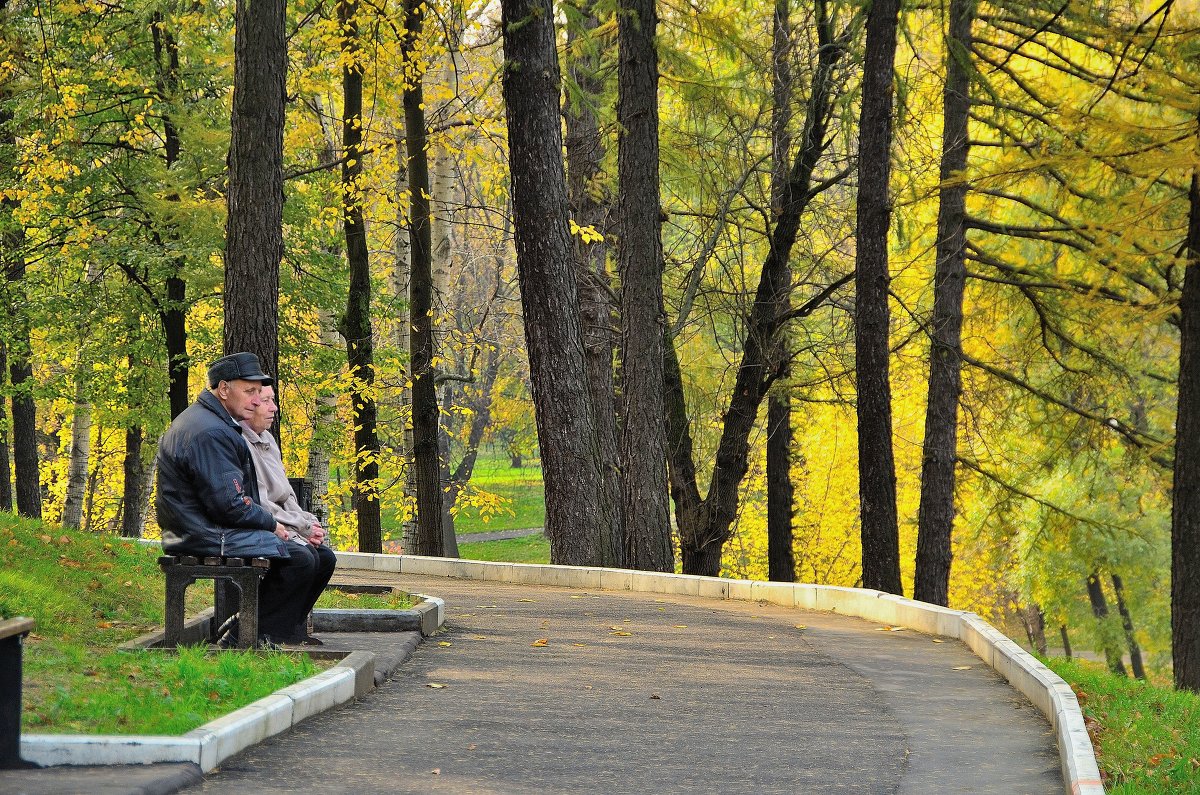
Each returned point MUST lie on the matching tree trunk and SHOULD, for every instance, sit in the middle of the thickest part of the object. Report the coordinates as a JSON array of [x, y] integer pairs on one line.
[[6, 490], [1035, 627], [876, 465], [448, 488], [324, 429], [704, 526], [1112, 652], [590, 204], [1135, 651], [24, 412], [645, 512], [781, 563], [131, 495], [936, 513], [578, 522], [81, 446], [1185, 506], [425, 412], [1066, 640], [254, 230], [356, 323], [399, 280]]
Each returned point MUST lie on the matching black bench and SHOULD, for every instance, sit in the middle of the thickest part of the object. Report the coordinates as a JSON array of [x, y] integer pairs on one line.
[[235, 590], [12, 639]]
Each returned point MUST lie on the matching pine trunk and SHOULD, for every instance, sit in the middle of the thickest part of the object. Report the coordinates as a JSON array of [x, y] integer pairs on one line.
[[1185, 507], [356, 323], [645, 511], [580, 525], [936, 513], [254, 229], [1135, 651], [876, 463], [425, 411]]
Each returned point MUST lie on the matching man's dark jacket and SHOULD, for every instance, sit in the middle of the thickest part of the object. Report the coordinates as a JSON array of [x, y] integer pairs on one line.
[[207, 490]]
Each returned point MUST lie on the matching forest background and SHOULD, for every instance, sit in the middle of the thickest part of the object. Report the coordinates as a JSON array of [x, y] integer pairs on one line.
[[1076, 184]]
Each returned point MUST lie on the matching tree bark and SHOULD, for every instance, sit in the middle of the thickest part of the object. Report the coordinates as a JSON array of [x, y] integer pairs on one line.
[[781, 562], [876, 464], [645, 512], [591, 203], [1135, 651], [425, 411], [133, 521], [355, 325], [578, 522], [254, 229], [936, 513], [81, 446], [1112, 653], [1066, 640], [1185, 505]]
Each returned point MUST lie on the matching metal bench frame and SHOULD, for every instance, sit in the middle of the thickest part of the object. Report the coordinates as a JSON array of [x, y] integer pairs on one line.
[[235, 588]]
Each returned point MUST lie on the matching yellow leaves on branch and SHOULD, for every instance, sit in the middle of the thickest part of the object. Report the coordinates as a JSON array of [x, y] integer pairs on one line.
[[587, 234]]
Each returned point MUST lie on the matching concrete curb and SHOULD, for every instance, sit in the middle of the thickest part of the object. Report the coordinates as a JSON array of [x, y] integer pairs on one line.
[[214, 742], [1048, 692]]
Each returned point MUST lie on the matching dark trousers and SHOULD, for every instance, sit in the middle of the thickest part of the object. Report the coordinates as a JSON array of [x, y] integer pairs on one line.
[[290, 589]]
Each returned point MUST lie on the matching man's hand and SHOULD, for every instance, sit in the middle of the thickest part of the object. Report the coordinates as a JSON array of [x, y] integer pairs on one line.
[[318, 535], [281, 532]]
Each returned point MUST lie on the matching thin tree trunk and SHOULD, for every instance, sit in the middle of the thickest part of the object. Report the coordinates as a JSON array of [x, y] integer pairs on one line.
[[579, 524], [356, 323], [1035, 627], [1112, 653], [645, 512], [936, 512], [1135, 651], [425, 412], [1066, 640], [254, 230], [6, 489], [449, 488], [132, 522], [876, 464], [590, 204], [781, 562], [316, 471], [399, 278], [77, 469], [1185, 506]]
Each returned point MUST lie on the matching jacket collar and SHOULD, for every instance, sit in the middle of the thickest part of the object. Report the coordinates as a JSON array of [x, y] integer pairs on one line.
[[210, 402]]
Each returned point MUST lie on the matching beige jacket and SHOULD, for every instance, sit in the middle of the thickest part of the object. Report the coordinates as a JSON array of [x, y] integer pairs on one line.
[[274, 489]]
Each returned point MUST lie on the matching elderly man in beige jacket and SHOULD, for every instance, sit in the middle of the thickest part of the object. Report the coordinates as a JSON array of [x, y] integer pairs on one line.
[[276, 496]]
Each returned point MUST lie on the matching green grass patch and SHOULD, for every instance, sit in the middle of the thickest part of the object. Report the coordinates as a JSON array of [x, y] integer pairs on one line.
[[527, 549], [515, 501], [88, 594], [1147, 736], [396, 600]]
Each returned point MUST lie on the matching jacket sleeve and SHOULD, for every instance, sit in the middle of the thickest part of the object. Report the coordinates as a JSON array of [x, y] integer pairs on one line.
[[221, 485]]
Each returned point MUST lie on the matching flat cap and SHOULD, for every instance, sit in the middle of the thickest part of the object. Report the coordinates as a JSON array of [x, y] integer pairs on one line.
[[237, 365]]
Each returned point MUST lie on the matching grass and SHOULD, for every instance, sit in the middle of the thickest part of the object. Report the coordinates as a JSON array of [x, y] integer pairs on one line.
[[1147, 736], [88, 594], [527, 549], [518, 500]]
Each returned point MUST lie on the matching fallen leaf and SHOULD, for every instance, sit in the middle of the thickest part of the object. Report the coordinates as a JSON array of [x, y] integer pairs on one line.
[[962, 667], [445, 643], [540, 642], [587, 687], [616, 628], [655, 696], [889, 629], [437, 771], [576, 596], [435, 685], [471, 747], [770, 637], [622, 634], [681, 626], [935, 640], [104, 625], [128, 583], [578, 644], [485, 607], [479, 637], [801, 626], [64, 540], [524, 600]]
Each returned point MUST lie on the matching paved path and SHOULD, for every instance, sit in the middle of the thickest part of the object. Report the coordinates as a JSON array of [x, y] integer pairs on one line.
[[497, 535], [640, 693]]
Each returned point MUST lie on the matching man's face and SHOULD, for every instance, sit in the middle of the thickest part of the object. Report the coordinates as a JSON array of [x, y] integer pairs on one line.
[[240, 397], [264, 413]]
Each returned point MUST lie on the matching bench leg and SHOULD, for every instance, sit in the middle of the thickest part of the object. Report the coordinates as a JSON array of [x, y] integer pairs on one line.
[[226, 602], [248, 615], [10, 702], [176, 588]]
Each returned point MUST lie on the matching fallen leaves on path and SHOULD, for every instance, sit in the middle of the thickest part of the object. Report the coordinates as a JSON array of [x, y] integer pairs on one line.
[[525, 600], [889, 629], [622, 634], [445, 643], [962, 667], [801, 626], [435, 685], [540, 642]]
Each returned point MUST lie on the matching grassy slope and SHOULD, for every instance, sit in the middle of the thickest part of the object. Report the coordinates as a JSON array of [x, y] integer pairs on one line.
[[89, 593]]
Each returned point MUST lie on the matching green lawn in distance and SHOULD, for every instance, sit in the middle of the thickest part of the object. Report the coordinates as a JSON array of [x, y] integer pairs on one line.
[[527, 549]]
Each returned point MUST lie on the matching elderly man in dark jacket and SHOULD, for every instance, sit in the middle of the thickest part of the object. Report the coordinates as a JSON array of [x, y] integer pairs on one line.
[[208, 499]]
